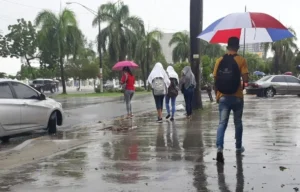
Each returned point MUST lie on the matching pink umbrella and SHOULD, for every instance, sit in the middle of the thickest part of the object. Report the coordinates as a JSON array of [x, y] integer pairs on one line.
[[120, 65]]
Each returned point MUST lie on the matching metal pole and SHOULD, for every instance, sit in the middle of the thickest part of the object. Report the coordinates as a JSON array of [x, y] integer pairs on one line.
[[196, 19], [244, 37], [100, 56]]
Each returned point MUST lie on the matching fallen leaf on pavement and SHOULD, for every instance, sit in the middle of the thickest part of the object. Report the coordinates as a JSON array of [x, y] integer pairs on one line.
[[282, 168]]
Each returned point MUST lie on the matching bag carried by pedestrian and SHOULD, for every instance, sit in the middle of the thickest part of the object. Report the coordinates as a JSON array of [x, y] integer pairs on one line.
[[125, 83], [173, 89], [158, 86], [228, 79]]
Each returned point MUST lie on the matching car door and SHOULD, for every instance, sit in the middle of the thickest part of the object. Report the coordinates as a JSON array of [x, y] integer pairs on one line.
[[280, 85], [34, 113], [293, 85], [10, 108]]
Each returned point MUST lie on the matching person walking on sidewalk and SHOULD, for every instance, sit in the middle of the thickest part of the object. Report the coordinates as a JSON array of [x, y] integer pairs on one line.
[[187, 85], [128, 82], [172, 92], [160, 82], [227, 73]]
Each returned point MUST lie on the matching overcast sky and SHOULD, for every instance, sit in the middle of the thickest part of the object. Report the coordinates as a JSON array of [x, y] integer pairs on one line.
[[166, 15]]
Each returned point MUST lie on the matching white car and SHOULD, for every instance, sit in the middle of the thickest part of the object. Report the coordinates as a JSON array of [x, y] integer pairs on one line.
[[24, 109]]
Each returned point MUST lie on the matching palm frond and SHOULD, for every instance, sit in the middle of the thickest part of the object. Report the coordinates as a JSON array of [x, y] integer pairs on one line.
[[46, 18]]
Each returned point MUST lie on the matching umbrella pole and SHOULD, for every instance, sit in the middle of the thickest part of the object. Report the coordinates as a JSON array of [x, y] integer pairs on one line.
[[244, 37]]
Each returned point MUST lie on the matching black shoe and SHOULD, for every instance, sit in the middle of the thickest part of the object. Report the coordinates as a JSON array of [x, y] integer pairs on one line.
[[168, 116], [220, 157], [159, 120], [172, 119]]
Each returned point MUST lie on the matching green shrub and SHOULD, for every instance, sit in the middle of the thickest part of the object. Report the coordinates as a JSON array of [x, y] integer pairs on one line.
[[139, 89], [107, 90], [116, 90]]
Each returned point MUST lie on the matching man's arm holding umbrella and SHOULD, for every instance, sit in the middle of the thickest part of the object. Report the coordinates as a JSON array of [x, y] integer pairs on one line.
[[245, 73]]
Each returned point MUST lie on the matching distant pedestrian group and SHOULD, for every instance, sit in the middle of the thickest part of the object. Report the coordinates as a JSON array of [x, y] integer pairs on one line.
[[166, 86]]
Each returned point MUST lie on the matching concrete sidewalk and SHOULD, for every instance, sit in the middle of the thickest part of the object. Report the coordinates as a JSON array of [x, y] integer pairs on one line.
[[175, 156]]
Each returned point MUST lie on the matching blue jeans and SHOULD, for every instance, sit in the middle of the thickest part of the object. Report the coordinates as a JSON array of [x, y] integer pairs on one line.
[[173, 101], [226, 104], [188, 98]]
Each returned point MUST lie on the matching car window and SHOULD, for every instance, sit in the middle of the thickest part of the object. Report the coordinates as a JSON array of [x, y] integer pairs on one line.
[[265, 78], [37, 82], [24, 92], [290, 79], [5, 91], [279, 79]]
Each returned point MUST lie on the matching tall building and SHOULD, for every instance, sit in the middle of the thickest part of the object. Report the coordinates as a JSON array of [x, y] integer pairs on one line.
[[164, 43], [255, 48]]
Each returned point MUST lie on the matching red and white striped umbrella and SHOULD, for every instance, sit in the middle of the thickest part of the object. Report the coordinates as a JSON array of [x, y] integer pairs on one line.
[[256, 27]]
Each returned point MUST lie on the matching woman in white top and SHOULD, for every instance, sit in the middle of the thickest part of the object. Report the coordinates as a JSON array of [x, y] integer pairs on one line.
[[159, 81]]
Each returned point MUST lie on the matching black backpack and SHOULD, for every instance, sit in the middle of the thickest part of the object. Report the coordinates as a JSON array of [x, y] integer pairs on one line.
[[173, 88], [228, 79]]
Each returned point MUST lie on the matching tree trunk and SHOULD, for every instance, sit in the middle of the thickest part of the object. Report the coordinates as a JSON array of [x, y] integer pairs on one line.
[[79, 84], [276, 62], [30, 68], [62, 74], [196, 18], [143, 74], [147, 64]]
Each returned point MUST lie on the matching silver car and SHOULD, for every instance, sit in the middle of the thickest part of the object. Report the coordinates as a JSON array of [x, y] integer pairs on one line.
[[24, 109], [271, 85]]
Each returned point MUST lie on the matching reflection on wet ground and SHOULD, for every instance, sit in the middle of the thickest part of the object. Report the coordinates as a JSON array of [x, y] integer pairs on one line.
[[176, 156]]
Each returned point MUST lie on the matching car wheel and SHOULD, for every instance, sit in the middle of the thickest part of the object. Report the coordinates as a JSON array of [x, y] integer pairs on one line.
[[270, 92], [52, 123], [5, 139]]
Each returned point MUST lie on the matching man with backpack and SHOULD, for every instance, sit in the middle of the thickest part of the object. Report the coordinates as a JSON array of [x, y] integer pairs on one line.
[[227, 73]]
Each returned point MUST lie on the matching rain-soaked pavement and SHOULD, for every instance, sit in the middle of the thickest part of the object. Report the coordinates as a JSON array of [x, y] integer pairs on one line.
[[175, 156], [81, 112]]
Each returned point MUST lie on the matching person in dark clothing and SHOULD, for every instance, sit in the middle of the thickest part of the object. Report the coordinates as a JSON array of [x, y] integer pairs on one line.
[[188, 85]]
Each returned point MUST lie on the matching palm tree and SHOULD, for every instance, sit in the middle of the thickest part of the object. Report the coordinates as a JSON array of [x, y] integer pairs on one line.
[[284, 52], [181, 51], [148, 49], [61, 32], [212, 50], [120, 35]]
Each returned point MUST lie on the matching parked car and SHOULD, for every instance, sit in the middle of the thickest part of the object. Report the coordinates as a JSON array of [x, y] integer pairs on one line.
[[271, 85], [43, 85], [24, 109]]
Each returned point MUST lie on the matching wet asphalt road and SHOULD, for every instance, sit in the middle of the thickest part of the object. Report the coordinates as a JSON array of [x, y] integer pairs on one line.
[[81, 112], [176, 156]]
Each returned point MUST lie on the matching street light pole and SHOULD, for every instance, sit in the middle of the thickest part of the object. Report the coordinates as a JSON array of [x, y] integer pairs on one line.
[[100, 56], [196, 18], [99, 44]]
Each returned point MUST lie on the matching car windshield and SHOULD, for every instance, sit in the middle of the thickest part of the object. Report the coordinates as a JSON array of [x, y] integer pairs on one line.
[[264, 78], [37, 82]]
